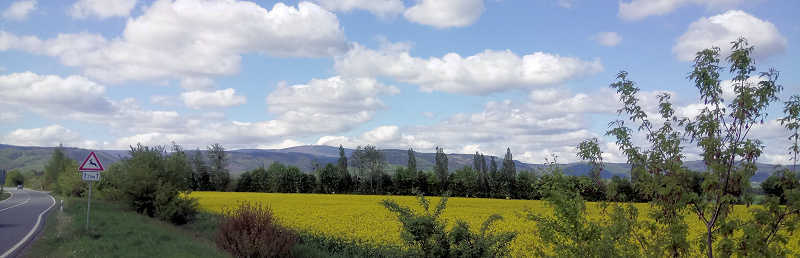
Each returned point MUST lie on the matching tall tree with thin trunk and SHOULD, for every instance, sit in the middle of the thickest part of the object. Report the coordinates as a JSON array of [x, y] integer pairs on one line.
[[441, 168], [791, 121], [412, 162], [220, 177], [509, 173]]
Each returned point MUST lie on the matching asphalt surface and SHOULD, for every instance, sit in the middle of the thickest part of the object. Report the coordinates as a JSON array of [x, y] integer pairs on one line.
[[21, 218]]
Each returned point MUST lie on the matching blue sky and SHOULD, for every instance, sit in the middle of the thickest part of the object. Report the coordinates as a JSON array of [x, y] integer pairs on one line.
[[468, 75]]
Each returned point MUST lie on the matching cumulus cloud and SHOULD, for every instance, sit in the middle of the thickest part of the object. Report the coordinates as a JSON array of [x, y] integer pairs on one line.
[[53, 95], [380, 8], [190, 39], [328, 105], [549, 122], [80, 99], [480, 74], [722, 29], [640, 9], [608, 39], [52, 135], [19, 10], [382, 134], [212, 99], [101, 8], [445, 13]]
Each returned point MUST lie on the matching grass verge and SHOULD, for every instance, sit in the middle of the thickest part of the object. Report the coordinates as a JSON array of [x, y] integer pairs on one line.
[[117, 232], [4, 195]]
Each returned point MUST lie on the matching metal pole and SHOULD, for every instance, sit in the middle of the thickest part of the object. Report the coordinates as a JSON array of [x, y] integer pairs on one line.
[[89, 206]]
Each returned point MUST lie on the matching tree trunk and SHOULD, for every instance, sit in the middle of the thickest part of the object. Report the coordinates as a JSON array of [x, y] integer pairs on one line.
[[709, 241]]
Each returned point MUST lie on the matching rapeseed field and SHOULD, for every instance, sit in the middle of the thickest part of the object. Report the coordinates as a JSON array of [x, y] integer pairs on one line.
[[361, 218]]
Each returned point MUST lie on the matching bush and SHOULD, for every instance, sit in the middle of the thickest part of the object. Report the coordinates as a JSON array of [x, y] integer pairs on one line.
[[425, 233], [251, 231], [465, 243], [171, 206]]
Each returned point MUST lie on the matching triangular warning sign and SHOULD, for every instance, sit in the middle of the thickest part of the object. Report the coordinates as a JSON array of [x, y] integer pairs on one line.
[[91, 163]]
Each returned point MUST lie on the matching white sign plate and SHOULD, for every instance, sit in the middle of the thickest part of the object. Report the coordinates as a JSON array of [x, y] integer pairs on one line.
[[91, 176]]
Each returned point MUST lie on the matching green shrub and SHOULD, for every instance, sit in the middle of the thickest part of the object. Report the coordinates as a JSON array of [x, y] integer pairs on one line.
[[251, 231], [171, 206], [426, 233], [465, 243]]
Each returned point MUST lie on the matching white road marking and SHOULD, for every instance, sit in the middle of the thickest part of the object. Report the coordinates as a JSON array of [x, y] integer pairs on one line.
[[18, 204], [30, 233], [9, 197]]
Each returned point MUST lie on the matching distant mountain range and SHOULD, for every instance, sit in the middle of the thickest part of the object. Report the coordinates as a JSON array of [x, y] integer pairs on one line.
[[304, 157]]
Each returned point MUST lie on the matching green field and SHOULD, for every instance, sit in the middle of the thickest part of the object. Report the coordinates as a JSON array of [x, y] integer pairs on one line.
[[116, 232]]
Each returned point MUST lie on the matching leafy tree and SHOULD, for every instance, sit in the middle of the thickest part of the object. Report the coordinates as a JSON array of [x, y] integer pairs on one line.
[[525, 185], [412, 161], [404, 180], [14, 178], [792, 123], [70, 182], [569, 232], [147, 183], [720, 131], [463, 182], [441, 168], [56, 165], [220, 177], [590, 150], [178, 163], [762, 235], [781, 181], [508, 174], [485, 184], [201, 176], [328, 178], [370, 164], [723, 136]]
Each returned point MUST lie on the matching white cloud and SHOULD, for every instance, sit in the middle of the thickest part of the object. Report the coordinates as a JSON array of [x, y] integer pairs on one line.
[[101, 8], [19, 10], [7, 116], [197, 83], [479, 74], [46, 136], [212, 99], [328, 105], [550, 122], [445, 13], [382, 134], [191, 39], [281, 145], [640, 9], [608, 39], [565, 3], [53, 95], [162, 100], [721, 29], [380, 8]]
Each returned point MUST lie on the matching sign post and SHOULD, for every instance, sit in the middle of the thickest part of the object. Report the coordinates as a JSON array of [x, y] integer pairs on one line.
[[90, 171], [2, 179]]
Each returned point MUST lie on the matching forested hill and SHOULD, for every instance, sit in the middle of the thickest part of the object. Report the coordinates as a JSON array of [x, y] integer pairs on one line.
[[304, 157]]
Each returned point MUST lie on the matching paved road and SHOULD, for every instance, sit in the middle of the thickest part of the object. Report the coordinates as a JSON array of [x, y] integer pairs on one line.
[[21, 217]]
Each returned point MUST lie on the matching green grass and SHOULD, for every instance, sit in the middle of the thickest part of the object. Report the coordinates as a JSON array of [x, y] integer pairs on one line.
[[4, 195], [118, 232]]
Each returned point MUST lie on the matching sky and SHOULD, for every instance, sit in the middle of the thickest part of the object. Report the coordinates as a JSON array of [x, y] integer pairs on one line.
[[465, 75]]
